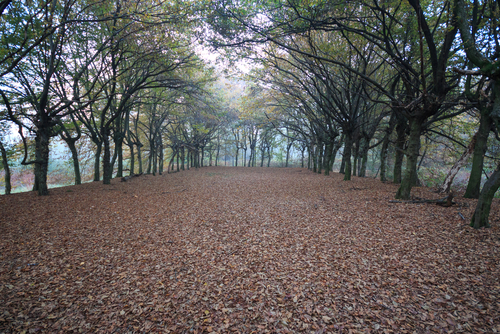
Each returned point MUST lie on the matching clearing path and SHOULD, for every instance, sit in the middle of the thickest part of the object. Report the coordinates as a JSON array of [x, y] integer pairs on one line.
[[244, 250]]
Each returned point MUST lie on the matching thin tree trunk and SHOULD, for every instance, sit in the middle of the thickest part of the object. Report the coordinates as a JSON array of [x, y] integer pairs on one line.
[[269, 155], [132, 159], [160, 167], [139, 158], [177, 155], [183, 158], [383, 158], [97, 162], [347, 157], [106, 161], [76, 162]]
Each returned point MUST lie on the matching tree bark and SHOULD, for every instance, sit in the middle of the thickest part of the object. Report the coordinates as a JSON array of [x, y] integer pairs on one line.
[[328, 157], [399, 150], [42, 140], [106, 160], [413, 149], [482, 212], [347, 156], [139, 158], [474, 184], [76, 162], [132, 159], [97, 162], [320, 158], [5, 164]]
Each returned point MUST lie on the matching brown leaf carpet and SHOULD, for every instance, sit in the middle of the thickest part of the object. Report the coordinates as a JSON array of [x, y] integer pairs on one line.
[[242, 250]]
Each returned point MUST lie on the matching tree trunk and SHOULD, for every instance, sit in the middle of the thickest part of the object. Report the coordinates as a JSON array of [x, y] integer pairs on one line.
[[364, 158], [342, 163], [119, 153], [320, 158], [139, 158], [445, 187], [474, 184], [385, 147], [160, 165], [309, 154], [383, 158], [177, 155], [347, 157], [288, 147], [482, 212], [106, 161], [413, 149], [315, 158], [97, 162], [76, 162], [183, 158], [328, 157], [399, 154], [262, 156], [355, 157], [132, 159], [5, 164], [302, 157], [154, 162], [42, 160], [335, 149]]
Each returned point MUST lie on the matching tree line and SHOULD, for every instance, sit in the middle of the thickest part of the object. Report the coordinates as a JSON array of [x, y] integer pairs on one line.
[[328, 78], [338, 72]]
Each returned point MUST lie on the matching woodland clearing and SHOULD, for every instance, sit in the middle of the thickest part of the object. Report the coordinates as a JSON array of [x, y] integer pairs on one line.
[[245, 250]]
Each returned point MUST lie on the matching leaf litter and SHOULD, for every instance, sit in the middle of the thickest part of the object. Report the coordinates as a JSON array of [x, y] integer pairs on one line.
[[242, 250]]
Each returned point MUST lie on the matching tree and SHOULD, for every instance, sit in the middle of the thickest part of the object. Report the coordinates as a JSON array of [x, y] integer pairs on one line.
[[481, 44]]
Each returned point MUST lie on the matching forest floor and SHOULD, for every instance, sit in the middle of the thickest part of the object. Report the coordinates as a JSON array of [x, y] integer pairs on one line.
[[245, 250]]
